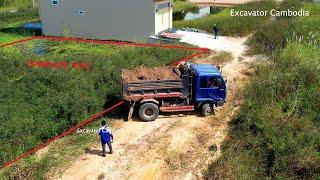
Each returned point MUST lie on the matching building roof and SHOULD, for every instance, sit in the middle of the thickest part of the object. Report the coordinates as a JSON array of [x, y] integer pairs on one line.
[[205, 69]]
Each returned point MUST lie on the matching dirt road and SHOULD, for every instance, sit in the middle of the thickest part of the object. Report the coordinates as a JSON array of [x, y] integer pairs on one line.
[[172, 147]]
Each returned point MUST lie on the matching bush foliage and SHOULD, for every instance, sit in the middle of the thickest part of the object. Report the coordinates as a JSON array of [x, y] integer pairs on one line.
[[276, 133]]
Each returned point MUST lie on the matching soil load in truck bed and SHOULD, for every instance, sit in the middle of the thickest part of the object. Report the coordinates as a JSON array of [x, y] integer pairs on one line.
[[144, 82], [150, 74]]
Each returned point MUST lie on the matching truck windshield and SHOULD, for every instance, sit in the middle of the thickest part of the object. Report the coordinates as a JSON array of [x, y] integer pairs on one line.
[[215, 82], [211, 82]]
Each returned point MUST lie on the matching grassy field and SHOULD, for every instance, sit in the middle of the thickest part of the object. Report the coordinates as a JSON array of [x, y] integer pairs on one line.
[[228, 25], [40, 103], [8, 5], [182, 5], [276, 132], [10, 24]]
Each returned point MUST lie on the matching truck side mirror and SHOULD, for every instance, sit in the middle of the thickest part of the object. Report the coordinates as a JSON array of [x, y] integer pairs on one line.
[[219, 68]]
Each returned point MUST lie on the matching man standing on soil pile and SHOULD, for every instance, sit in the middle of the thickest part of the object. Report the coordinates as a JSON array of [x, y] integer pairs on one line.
[[215, 31], [106, 137]]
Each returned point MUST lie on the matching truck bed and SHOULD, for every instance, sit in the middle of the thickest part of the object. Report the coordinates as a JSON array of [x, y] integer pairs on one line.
[[145, 82], [143, 73]]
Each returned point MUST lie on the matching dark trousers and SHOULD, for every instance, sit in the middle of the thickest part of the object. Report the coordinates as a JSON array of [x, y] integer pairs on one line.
[[104, 148], [215, 35]]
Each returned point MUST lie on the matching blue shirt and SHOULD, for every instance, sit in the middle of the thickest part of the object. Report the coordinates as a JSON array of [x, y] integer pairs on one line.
[[105, 134]]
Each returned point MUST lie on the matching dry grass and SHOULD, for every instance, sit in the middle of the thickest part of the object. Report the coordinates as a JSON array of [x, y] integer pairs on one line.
[[215, 58]]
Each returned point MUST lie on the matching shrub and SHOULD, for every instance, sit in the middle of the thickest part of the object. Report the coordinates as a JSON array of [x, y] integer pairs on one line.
[[270, 37], [274, 36]]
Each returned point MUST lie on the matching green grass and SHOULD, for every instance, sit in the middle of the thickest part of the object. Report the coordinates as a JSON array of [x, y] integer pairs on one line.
[[307, 29], [39, 103], [9, 20], [183, 6], [6, 5], [10, 24], [55, 161], [228, 25], [275, 135], [274, 36]]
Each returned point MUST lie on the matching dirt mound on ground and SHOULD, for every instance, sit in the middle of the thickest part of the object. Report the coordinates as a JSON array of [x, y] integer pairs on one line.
[[143, 73]]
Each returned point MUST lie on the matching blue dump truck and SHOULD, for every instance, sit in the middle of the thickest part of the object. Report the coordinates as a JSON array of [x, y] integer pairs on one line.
[[187, 87]]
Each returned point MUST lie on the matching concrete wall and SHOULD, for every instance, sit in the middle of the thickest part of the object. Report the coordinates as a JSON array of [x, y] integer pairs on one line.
[[128, 20]]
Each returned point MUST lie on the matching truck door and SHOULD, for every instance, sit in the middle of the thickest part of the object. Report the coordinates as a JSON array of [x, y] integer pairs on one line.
[[212, 88]]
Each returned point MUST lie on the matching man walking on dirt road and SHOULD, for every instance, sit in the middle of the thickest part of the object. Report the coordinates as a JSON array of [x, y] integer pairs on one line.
[[106, 137], [215, 31]]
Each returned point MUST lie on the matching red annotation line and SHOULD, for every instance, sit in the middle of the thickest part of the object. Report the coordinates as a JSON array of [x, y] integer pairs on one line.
[[97, 115], [119, 43], [17, 42], [190, 57]]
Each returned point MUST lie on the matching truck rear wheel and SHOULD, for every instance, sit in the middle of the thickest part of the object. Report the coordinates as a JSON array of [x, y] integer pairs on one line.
[[148, 112], [206, 109]]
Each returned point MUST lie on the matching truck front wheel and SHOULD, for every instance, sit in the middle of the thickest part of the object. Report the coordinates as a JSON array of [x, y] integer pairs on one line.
[[148, 112], [207, 109]]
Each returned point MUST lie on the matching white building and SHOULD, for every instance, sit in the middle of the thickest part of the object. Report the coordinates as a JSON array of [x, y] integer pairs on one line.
[[127, 20]]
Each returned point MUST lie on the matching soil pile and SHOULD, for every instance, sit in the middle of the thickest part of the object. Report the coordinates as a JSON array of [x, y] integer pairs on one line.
[[143, 73]]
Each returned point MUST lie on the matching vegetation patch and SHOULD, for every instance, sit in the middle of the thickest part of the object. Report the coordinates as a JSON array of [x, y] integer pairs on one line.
[[215, 58], [276, 132], [230, 25], [39, 103], [11, 24], [273, 36], [181, 7]]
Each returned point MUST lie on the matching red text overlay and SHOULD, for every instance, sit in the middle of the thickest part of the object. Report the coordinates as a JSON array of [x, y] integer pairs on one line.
[[60, 64]]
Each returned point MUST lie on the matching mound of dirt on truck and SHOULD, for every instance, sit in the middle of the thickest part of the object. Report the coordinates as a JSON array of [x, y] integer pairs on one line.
[[143, 73]]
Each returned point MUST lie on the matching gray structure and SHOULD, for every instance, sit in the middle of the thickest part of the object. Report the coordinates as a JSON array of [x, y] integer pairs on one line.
[[127, 20]]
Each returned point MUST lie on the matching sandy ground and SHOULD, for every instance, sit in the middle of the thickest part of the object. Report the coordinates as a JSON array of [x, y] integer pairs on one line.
[[223, 43], [173, 146]]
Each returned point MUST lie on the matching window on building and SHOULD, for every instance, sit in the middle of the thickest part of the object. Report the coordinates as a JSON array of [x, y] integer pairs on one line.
[[163, 6], [80, 12], [55, 2]]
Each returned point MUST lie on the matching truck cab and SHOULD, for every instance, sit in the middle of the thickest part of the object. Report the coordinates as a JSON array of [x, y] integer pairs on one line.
[[209, 85]]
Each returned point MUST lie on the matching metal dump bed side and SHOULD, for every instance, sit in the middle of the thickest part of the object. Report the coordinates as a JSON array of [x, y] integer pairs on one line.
[[152, 89]]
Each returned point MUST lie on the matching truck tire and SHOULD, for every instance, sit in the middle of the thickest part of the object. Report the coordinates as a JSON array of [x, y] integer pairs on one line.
[[206, 109], [148, 112]]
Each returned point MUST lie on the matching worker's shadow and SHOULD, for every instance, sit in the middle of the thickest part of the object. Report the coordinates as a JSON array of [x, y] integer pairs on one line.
[[93, 151]]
